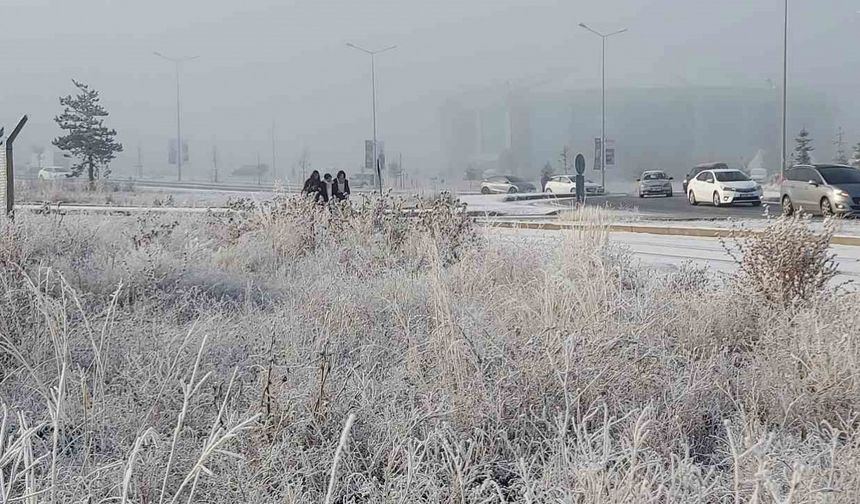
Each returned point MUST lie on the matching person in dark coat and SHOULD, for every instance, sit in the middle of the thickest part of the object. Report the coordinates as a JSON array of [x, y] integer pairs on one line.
[[341, 186], [312, 186]]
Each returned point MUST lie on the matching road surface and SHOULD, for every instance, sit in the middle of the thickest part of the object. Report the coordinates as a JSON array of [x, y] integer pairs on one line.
[[669, 251], [677, 206]]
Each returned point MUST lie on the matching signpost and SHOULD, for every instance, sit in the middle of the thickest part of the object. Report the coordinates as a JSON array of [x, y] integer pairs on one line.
[[598, 149], [579, 164], [9, 182], [609, 162], [368, 155]]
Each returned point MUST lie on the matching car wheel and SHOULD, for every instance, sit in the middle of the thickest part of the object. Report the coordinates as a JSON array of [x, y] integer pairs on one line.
[[716, 199], [826, 207], [512, 190], [669, 194], [641, 195], [548, 190], [787, 206], [692, 198], [485, 190]]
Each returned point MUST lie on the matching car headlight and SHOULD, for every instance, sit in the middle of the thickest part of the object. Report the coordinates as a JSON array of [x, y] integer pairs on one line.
[[844, 194]]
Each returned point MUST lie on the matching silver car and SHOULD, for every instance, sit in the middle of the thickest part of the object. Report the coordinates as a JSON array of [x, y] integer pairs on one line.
[[655, 182], [824, 189], [506, 184]]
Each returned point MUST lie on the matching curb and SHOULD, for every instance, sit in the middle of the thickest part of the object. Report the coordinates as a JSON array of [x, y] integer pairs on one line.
[[697, 232]]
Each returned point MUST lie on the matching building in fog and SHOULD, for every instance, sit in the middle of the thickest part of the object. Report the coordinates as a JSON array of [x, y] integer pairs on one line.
[[665, 128]]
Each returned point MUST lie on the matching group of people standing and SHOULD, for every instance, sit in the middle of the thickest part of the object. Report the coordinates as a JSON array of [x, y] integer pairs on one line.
[[326, 189]]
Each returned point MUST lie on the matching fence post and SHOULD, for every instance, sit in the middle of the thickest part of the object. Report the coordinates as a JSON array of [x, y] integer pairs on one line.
[[10, 169]]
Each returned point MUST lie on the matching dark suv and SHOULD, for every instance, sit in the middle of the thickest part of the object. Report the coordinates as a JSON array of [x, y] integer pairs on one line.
[[699, 169]]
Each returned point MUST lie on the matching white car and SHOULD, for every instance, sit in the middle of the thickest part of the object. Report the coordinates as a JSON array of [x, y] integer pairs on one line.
[[723, 187], [566, 184], [54, 172]]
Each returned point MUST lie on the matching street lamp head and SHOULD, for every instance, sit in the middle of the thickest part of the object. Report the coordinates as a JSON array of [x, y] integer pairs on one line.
[[583, 25]]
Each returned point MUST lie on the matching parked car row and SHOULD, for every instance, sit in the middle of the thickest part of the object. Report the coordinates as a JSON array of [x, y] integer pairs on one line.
[[557, 184]]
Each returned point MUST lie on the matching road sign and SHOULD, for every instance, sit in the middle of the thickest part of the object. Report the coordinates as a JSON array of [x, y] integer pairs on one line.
[[610, 153], [368, 155], [579, 163], [171, 151], [598, 148]]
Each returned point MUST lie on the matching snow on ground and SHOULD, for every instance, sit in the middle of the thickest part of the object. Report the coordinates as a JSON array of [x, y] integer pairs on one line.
[[666, 252], [496, 204]]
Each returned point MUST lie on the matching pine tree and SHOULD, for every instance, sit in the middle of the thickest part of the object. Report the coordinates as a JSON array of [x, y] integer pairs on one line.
[[564, 157], [88, 139], [547, 170], [803, 148]]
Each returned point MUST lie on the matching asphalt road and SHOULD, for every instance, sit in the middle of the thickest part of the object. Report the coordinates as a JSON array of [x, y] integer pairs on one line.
[[678, 207]]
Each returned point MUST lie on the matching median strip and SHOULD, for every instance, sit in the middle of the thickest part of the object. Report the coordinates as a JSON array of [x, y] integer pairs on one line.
[[697, 232]]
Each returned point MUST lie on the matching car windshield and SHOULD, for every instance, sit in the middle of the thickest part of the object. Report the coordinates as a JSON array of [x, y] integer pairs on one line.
[[654, 176], [731, 176], [840, 175]]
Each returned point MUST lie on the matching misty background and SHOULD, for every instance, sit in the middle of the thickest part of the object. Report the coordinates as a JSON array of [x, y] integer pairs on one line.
[[265, 62]]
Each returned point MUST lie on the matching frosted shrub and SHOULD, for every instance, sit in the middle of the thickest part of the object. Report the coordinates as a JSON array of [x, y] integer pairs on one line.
[[788, 261]]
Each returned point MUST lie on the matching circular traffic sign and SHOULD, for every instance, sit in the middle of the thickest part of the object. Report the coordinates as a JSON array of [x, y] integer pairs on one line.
[[579, 163]]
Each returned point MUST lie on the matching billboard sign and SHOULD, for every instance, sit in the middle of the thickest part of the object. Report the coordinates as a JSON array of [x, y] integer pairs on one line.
[[610, 154], [171, 152], [368, 155]]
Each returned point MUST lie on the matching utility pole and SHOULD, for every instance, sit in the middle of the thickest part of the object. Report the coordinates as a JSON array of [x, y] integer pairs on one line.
[[215, 161], [259, 171], [784, 94], [178, 62], [373, 89], [10, 168], [841, 155], [139, 164], [274, 170], [603, 37]]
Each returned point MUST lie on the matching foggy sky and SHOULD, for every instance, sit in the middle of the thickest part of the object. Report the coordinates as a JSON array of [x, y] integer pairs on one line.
[[286, 61]]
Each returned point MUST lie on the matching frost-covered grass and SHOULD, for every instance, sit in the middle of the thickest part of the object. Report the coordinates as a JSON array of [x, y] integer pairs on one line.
[[290, 355], [109, 192]]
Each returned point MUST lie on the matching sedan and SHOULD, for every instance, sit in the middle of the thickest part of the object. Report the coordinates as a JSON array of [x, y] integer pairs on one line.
[[566, 184], [723, 187], [655, 182], [54, 172], [506, 184]]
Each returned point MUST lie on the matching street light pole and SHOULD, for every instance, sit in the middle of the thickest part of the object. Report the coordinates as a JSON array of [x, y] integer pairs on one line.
[[373, 101], [603, 37], [784, 93], [178, 62]]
